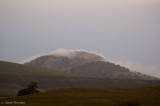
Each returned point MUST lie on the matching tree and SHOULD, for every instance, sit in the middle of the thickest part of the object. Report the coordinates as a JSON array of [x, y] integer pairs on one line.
[[32, 88]]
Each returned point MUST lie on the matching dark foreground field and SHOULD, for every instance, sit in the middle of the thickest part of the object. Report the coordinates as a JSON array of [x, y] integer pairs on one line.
[[148, 96]]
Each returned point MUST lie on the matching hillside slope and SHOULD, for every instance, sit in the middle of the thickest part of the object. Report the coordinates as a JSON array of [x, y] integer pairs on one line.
[[64, 62], [8, 68], [16, 76], [93, 96], [86, 64], [101, 69]]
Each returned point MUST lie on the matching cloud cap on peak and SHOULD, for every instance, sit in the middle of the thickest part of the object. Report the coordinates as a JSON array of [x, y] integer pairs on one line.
[[63, 59], [76, 53]]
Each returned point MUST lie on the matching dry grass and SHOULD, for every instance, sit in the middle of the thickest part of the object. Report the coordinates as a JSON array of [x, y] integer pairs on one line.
[[148, 96]]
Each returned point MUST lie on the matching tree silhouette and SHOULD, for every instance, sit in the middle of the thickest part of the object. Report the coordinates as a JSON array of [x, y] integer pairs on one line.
[[31, 89]]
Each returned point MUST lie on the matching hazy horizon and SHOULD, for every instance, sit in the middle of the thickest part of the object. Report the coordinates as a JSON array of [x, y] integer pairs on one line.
[[125, 31]]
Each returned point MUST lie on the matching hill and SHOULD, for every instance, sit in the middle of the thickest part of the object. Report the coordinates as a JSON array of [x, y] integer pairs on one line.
[[85, 64], [8, 68], [101, 69], [64, 61], [15, 76], [148, 96]]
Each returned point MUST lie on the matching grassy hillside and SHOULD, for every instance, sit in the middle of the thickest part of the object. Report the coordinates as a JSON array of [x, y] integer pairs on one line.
[[16, 76], [8, 68], [149, 96], [101, 69]]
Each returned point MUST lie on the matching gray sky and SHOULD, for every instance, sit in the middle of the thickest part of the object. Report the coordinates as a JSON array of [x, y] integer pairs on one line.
[[125, 31]]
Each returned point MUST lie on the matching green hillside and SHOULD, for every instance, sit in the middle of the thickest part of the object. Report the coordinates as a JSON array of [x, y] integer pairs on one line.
[[14, 77], [148, 96], [8, 68]]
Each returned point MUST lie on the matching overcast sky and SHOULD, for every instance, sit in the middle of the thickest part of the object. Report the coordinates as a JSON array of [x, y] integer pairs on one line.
[[126, 31]]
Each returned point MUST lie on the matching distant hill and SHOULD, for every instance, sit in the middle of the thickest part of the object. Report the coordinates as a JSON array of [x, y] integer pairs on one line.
[[86, 64], [15, 76], [65, 61], [101, 69], [149, 96]]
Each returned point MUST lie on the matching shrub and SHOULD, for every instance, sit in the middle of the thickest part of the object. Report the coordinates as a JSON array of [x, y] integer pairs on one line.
[[31, 89]]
